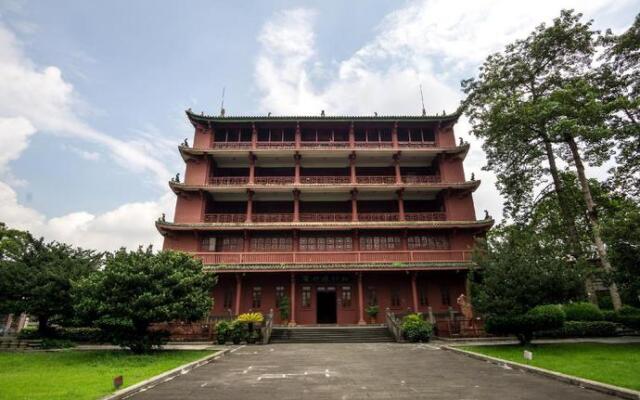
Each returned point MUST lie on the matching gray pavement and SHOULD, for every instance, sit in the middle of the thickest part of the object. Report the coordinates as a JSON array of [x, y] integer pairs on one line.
[[358, 371]]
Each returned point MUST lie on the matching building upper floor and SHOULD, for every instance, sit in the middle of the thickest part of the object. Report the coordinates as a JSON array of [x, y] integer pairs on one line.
[[232, 134]]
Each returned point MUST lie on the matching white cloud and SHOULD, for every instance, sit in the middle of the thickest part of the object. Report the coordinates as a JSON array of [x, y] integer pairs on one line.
[[35, 100], [49, 103], [432, 42]]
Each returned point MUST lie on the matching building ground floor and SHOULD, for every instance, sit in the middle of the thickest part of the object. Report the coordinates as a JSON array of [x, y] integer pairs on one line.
[[338, 297]]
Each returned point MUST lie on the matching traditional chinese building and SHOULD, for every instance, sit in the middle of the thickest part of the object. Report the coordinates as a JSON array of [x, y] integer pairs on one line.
[[336, 213]]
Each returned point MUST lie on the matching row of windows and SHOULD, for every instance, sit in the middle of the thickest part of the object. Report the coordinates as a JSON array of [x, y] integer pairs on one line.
[[346, 296], [328, 243]]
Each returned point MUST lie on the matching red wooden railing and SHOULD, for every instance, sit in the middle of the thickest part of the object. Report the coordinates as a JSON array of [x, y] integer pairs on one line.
[[273, 180], [421, 179], [315, 180], [228, 180], [329, 257], [326, 217], [225, 218], [319, 145], [376, 180]]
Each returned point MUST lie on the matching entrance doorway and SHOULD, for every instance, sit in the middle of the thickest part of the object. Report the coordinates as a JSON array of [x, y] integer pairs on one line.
[[326, 301]]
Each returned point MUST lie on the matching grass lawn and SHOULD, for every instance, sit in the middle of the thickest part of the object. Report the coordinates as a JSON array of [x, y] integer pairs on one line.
[[79, 375], [615, 364]]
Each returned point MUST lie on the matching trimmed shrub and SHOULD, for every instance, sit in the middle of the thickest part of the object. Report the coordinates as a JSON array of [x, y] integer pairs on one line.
[[539, 318], [29, 333], [72, 334], [237, 332], [582, 311], [572, 329], [609, 315], [416, 329], [223, 330], [629, 317]]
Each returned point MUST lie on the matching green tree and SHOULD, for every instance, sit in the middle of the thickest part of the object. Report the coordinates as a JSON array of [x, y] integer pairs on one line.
[[37, 277], [519, 267], [537, 101], [139, 288], [619, 74]]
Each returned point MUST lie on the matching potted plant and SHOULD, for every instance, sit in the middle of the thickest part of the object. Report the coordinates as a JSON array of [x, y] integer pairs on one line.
[[223, 329], [284, 309], [250, 320], [372, 312], [237, 332]]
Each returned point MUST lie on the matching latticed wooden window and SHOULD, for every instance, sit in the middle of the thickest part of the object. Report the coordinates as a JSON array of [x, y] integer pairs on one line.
[[231, 244], [325, 243], [395, 297], [446, 297], [380, 243], [256, 297], [306, 296], [208, 244], [428, 242], [422, 294], [372, 297], [272, 244], [228, 298], [346, 296], [279, 294]]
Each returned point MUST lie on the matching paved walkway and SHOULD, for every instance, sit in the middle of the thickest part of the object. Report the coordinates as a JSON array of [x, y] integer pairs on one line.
[[358, 371]]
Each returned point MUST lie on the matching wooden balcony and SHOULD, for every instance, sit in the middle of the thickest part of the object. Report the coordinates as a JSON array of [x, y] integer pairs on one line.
[[329, 257], [376, 180], [273, 180], [326, 217], [233, 145], [321, 180]]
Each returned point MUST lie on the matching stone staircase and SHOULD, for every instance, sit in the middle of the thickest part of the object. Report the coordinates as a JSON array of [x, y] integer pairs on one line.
[[331, 334], [13, 343]]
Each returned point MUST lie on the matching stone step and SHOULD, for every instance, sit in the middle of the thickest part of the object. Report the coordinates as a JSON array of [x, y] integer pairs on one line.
[[330, 335]]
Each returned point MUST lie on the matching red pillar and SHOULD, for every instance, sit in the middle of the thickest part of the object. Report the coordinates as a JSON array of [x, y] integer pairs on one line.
[[352, 136], [292, 321], [401, 216], [297, 136], [249, 217], [354, 205], [238, 293], [394, 135], [414, 291], [396, 164], [246, 245], [296, 176], [361, 320], [352, 167], [252, 168], [254, 136], [296, 205]]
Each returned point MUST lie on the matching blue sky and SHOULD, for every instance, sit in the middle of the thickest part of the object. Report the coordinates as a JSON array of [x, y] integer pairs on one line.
[[94, 93]]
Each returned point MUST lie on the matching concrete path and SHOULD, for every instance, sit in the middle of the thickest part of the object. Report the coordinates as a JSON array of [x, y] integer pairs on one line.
[[358, 371]]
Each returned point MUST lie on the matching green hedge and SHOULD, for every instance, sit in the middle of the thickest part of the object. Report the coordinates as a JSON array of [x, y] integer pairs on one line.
[[80, 334], [416, 329], [581, 329], [582, 311], [544, 317]]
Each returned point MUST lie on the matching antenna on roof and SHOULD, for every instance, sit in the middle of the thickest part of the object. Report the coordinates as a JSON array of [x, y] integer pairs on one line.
[[424, 112], [222, 103]]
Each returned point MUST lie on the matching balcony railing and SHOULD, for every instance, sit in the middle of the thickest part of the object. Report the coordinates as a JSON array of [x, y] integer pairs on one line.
[[329, 257], [228, 180], [326, 217], [273, 180], [318, 180], [320, 145], [376, 180]]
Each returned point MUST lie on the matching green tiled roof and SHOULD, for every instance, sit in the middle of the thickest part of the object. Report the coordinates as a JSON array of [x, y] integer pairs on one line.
[[316, 118]]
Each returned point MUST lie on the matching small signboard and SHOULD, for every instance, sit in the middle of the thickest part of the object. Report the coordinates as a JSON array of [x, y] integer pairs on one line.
[[118, 381], [528, 355]]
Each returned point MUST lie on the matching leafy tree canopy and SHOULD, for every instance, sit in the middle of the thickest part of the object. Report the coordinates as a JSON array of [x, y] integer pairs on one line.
[[138, 288]]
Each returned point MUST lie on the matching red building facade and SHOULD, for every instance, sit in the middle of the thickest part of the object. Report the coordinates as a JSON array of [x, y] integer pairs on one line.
[[336, 213]]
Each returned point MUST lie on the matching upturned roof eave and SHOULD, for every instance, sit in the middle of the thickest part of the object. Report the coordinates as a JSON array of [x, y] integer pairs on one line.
[[195, 118]]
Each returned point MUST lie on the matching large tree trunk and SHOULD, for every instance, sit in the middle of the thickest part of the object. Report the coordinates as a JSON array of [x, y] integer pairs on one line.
[[43, 326], [592, 216], [567, 217]]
